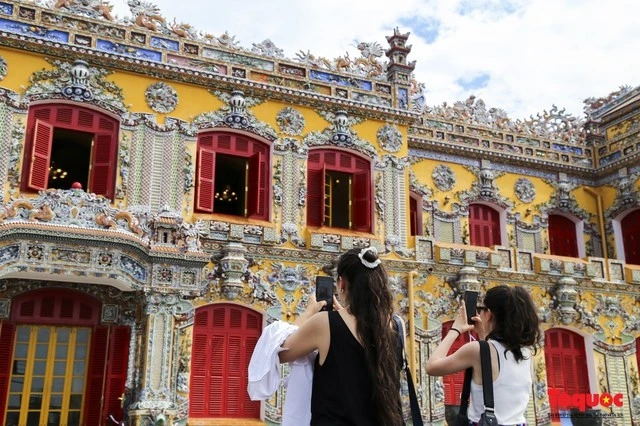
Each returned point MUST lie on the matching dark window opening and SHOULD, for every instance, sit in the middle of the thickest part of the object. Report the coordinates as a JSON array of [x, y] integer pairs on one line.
[[230, 196], [70, 158], [337, 199]]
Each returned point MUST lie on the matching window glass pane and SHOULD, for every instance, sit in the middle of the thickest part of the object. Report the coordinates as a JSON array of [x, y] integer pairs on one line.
[[78, 368], [43, 335], [19, 367], [42, 351], [75, 402], [23, 334], [39, 368], [37, 384], [73, 419], [12, 418], [59, 368], [82, 336], [55, 401], [21, 350], [54, 419], [77, 385], [61, 351], [15, 401], [17, 383], [33, 418], [35, 401], [63, 334], [57, 385], [81, 352]]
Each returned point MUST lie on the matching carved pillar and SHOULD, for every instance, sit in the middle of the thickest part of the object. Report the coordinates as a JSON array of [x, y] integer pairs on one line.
[[157, 399], [468, 279], [566, 298], [231, 269]]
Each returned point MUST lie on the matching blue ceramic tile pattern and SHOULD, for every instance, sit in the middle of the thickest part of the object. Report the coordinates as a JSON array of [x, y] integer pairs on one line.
[[6, 8], [133, 268], [33, 31], [403, 98], [136, 52], [163, 43], [340, 80]]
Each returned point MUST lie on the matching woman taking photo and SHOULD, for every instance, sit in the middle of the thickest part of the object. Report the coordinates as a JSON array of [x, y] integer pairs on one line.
[[356, 373], [508, 320]]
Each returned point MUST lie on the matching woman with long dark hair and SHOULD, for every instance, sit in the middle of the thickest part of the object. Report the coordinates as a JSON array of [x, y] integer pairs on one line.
[[356, 373], [508, 320]]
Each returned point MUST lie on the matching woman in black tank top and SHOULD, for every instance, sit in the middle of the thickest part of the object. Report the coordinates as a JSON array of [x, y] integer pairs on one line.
[[357, 374]]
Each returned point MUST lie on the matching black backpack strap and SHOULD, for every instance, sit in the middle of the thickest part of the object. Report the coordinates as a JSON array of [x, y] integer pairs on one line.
[[416, 416], [487, 376]]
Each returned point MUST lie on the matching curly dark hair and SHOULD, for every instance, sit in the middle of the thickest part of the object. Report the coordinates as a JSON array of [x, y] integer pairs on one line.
[[516, 322], [371, 302]]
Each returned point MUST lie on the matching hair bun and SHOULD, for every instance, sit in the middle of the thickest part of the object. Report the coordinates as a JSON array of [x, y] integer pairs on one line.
[[369, 257]]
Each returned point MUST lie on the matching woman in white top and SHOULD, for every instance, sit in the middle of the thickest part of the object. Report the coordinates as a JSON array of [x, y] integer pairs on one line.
[[509, 321]]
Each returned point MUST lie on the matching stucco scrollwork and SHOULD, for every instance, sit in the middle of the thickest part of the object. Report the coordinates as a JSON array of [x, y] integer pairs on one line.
[[290, 121], [3, 68], [524, 189], [161, 97], [389, 138], [443, 177]]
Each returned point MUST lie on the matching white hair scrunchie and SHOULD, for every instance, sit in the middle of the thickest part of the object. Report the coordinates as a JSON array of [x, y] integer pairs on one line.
[[365, 262]]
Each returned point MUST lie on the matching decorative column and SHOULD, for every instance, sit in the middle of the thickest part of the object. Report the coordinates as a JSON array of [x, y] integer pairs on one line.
[[157, 400], [232, 269], [468, 279], [565, 297]]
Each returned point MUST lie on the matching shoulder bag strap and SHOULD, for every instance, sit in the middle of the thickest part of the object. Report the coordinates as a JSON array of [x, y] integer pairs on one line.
[[416, 416], [487, 375], [466, 391]]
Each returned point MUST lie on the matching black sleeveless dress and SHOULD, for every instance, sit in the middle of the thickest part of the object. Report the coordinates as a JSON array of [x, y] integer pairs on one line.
[[341, 394]]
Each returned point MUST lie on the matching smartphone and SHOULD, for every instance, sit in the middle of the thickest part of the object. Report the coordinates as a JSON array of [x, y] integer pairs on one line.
[[470, 303], [324, 291]]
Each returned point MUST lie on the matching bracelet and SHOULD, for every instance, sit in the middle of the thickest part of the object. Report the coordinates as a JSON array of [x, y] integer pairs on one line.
[[456, 330]]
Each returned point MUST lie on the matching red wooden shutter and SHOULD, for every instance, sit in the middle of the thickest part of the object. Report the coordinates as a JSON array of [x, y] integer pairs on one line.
[[256, 186], [199, 392], [484, 226], [413, 215], [103, 165], [566, 363], [362, 199], [206, 174], [40, 155], [116, 375], [95, 376], [315, 190], [630, 226], [453, 382], [7, 333], [562, 236]]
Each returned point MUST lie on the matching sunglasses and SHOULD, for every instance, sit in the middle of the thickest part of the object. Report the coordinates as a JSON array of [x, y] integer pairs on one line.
[[480, 309]]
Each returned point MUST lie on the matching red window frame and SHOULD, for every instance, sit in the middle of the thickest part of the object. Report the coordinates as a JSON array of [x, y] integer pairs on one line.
[[562, 236], [224, 336], [484, 226], [258, 155], [566, 361], [630, 228], [321, 160], [42, 121], [415, 214], [109, 352]]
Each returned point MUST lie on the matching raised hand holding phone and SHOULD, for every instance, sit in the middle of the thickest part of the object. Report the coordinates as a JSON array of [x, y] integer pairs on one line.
[[324, 291], [470, 303]]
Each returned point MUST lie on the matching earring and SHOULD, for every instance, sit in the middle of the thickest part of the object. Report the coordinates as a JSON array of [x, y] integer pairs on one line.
[[341, 290]]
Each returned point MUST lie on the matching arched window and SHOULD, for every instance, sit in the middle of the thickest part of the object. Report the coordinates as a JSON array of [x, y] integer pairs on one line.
[[224, 337], [566, 361], [562, 236], [338, 190], [484, 226], [630, 227], [415, 214], [67, 143], [57, 356], [233, 175]]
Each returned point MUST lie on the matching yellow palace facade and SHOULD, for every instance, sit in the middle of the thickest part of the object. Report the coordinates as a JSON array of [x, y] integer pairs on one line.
[[167, 193]]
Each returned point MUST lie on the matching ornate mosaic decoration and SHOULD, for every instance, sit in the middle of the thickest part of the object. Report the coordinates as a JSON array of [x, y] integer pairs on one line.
[[367, 65], [267, 48], [443, 177], [94, 9], [340, 134], [76, 81], [235, 115], [290, 121], [3, 68], [525, 191], [161, 97], [389, 138]]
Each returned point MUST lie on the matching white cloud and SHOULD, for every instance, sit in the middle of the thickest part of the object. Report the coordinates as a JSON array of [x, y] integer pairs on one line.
[[537, 52]]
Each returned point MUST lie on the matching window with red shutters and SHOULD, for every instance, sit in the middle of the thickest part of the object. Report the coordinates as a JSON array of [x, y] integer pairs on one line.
[[93, 406], [116, 374], [239, 164], [484, 225], [630, 226], [334, 164], [223, 342], [415, 214], [58, 136], [566, 361], [562, 236], [7, 332], [453, 382], [638, 355]]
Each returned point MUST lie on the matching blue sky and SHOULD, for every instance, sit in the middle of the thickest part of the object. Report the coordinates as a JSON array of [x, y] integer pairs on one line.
[[519, 55]]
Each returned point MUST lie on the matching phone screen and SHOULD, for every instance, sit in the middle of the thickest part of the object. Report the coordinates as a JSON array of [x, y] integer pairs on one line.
[[324, 291], [470, 303]]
